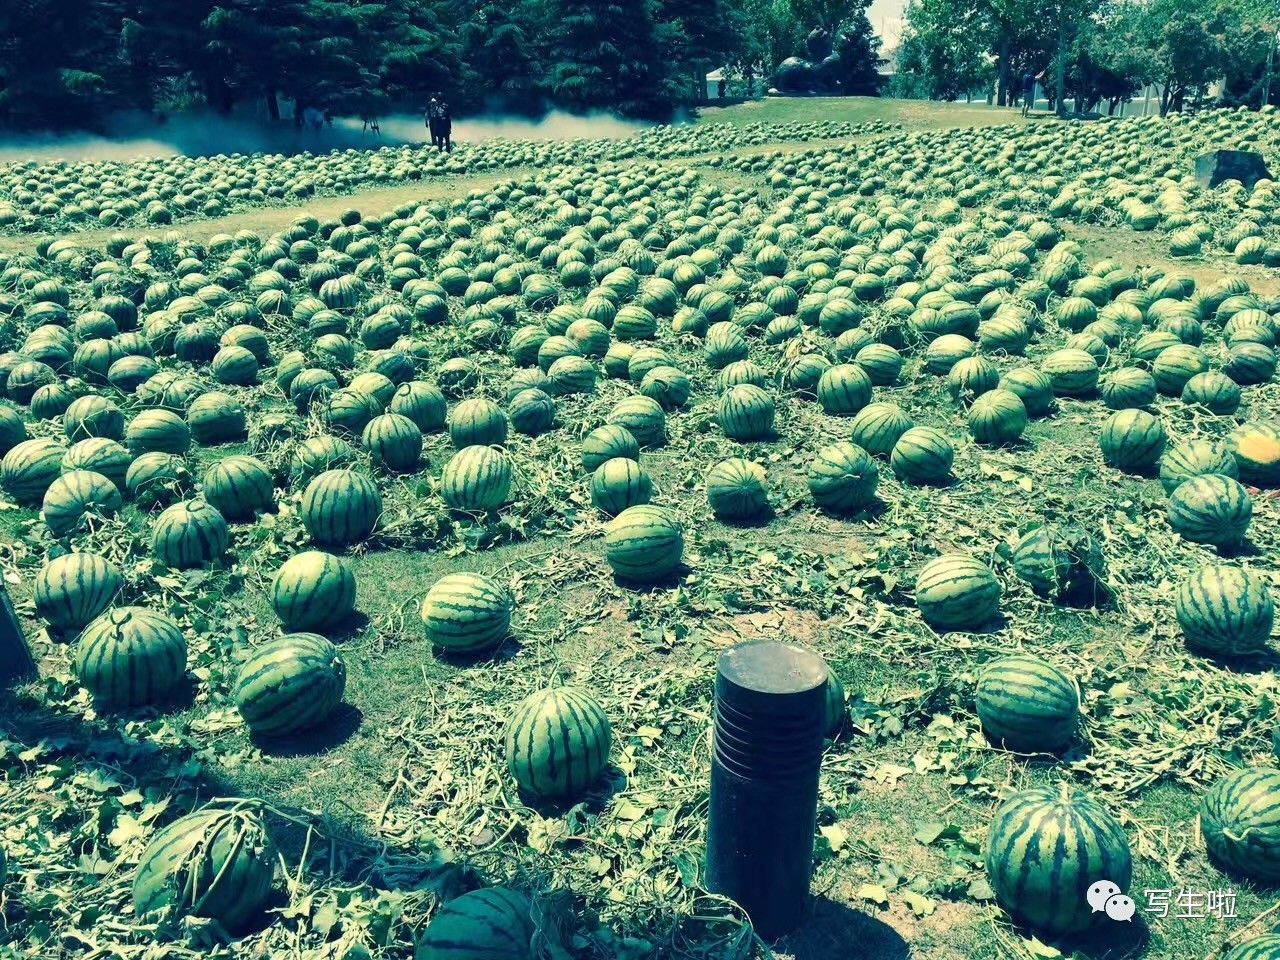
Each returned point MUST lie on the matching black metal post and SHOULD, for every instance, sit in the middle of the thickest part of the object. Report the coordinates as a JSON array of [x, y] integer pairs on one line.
[[16, 662], [770, 709]]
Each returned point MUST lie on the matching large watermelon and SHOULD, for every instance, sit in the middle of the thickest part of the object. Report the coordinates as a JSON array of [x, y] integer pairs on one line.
[[557, 743], [290, 685], [1240, 821], [490, 924], [313, 591], [1225, 610], [131, 657], [1027, 704], [341, 507], [73, 589], [476, 478], [1045, 849], [238, 487], [189, 534], [1062, 562], [843, 478], [620, 483], [736, 490], [644, 544], [467, 613], [957, 592], [1211, 509]]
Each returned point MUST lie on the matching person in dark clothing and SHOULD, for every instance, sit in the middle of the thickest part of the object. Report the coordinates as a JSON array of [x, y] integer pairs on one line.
[[1028, 91], [445, 121], [433, 119], [721, 87]]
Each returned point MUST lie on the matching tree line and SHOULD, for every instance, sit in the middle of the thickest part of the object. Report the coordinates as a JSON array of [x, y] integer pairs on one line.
[[1097, 53], [73, 63]]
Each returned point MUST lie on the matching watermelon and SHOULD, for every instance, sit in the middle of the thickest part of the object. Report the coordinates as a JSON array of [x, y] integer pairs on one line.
[[1256, 448], [922, 455], [1074, 372], [313, 591], [620, 483], [394, 442], [1062, 562], [843, 478], [1175, 366], [1225, 610], [1211, 509], [490, 924], [643, 418], [238, 487], [1195, 459], [1045, 849], [93, 416], [837, 711], [1239, 822], [878, 427], [946, 351], [13, 430], [1027, 704], [478, 421], [158, 430], [972, 377], [844, 389], [29, 468], [217, 863], [131, 657], [644, 544], [997, 417], [476, 478], [882, 363], [422, 403], [189, 534], [340, 507], [215, 418], [157, 478], [532, 412], [467, 613], [746, 413], [75, 588], [1132, 440], [557, 743], [1247, 363], [1128, 387], [289, 685], [605, 443], [75, 496], [736, 490], [957, 592], [1214, 391], [1265, 947]]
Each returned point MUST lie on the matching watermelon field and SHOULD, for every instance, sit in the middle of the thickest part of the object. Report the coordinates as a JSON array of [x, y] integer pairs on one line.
[[376, 519]]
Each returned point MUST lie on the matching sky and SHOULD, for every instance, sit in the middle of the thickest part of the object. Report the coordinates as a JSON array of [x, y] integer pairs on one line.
[[886, 20]]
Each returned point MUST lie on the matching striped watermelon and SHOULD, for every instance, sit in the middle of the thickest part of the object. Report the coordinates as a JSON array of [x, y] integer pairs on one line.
[[1027, 704], [1175, 366], [997, 417], [422, 403], [476, 478], [1132, 440], [1240, 823], [217, 863], [290, 685], [477, 422], [736, 490], [972, 377], [882, 363], [93, 416], [844, 389], [1074, 372], [189, 534], [742, 371], [29, 468], [394, 442], [878, 427], [605, 443], [1265, 947], [1062, 563], [843, 478], [945, 352], [100, 455], [532, 412], [1256, 448], [1211, 509], [490, 924], [666, 384], [643, 418], [620, 483], [75, 496], [746, 413], [1045, 849], [215, 418], [347, 411], [13, 430], [131, 657], [804, 372], [922, 455], [313, 591], [1248, 363], [158, 430], [724, 344], [1195, 459], [467, 613], [1225, 610], [957, 592], [157, 478], [644, 544], [341, 507], [75, 588], [238, 487], [1214, 391], [1128, 387], [1033, 387], [557, 743]]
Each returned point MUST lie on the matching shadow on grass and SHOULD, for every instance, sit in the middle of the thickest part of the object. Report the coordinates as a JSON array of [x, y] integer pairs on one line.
[[835, 930], [340, 727]]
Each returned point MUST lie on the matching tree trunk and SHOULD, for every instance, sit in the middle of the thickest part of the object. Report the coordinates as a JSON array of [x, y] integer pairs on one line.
[[1266, 73], [1002, 81], [273, 105], [1165, 99], [1060, 68], [218, 94]]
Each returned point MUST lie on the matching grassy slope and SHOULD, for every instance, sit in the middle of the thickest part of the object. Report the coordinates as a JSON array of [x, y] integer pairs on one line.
[[421, 764]]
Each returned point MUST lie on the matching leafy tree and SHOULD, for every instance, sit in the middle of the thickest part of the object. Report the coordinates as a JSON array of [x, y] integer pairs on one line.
[[499, 54]]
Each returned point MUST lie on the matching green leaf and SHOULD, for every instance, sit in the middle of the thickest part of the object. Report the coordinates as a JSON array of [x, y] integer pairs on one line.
[[873, 892], [836, 836], [920, 905]]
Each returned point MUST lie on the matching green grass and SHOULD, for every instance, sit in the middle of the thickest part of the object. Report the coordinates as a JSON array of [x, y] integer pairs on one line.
[[914, 114]]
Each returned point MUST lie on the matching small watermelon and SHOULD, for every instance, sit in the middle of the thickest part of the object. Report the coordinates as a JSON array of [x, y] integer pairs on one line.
[[557, 743], [957, 592], [466, 613], [131, 657], [1027, 704], [1225, 610], [644, 544], [1240, 825], [73, 589], [313, 591], [736, 490], [490, 924], [289, 685]]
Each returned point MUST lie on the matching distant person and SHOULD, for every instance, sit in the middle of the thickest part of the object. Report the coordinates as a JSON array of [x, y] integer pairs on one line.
[[440, 121], [313, 119], [1028, 91], [370, 123], [433, 120], [721, 87]]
